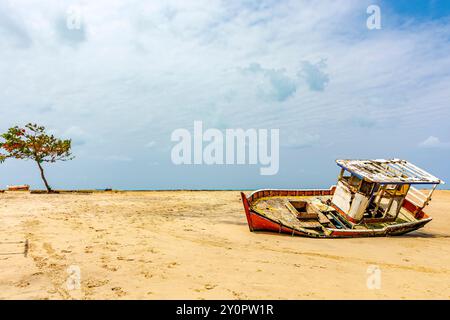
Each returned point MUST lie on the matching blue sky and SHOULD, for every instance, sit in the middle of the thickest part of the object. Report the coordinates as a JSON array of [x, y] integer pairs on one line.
[[420, 9], [137, 70]]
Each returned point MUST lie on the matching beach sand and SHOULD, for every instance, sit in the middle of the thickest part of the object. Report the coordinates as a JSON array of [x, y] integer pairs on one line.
[[196, 245]]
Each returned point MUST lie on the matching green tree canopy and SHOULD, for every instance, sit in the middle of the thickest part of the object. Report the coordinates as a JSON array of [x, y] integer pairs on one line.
[[33, 143]]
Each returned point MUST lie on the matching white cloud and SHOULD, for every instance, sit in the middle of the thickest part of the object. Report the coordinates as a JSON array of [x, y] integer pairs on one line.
[[137, 70], [314, 75], [12, 29], [271, 83], [297, 139], [78, 135], [118, 158], [433, 142]]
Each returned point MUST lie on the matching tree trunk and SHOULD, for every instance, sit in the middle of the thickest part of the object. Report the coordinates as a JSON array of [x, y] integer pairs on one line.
[[43, 177]]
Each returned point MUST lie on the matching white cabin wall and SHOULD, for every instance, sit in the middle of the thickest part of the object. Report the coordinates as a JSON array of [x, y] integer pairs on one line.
[[359, 206], [342, 197]]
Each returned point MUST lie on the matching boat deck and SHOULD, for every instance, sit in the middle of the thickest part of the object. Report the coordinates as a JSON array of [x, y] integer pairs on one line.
[[280, 209]]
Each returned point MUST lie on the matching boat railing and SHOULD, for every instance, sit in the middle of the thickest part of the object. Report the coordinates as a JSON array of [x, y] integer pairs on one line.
[[293, 192]]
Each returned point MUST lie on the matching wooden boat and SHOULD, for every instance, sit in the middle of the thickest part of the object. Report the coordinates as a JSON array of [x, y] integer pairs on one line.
[[23, 187], [371, 198]]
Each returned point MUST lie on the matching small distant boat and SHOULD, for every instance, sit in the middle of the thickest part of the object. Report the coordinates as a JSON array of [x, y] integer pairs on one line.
[[371, 198], [23, 187]]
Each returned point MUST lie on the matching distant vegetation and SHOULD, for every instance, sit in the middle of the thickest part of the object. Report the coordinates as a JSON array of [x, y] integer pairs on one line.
[[33, 143]]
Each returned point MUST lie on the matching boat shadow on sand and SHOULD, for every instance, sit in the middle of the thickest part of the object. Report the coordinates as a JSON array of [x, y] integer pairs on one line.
[[416, 234], [419, 234]]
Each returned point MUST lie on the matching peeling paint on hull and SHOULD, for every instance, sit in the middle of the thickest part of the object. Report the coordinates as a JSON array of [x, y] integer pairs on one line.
[[258, 222]]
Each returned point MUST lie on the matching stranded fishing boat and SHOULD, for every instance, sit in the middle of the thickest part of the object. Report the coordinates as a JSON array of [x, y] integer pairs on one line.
[[23, 187], [371, 198]]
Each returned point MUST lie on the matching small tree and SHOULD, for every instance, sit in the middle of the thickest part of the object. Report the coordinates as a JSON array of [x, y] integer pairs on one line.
[[33, 143]]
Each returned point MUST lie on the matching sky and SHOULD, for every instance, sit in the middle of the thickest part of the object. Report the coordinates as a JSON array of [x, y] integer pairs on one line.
[[118, 77]]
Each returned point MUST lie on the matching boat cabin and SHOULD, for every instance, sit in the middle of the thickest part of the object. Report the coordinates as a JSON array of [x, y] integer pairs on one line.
[[376, 190]]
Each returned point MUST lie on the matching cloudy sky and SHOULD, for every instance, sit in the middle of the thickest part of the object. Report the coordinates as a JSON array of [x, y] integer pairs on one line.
[[118, 77]]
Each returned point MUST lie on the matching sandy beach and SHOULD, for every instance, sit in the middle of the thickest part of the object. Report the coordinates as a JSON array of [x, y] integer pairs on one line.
[[196, 245]]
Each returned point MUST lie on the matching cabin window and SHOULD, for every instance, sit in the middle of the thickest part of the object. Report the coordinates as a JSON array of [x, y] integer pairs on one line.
[[354, 181], [366, 187], [350, 180]]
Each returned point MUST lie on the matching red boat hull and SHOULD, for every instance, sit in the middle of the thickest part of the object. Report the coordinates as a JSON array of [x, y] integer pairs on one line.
[[258, 222]]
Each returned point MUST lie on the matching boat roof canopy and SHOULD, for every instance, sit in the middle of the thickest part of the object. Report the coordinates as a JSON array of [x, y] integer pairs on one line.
[[393, 171]]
